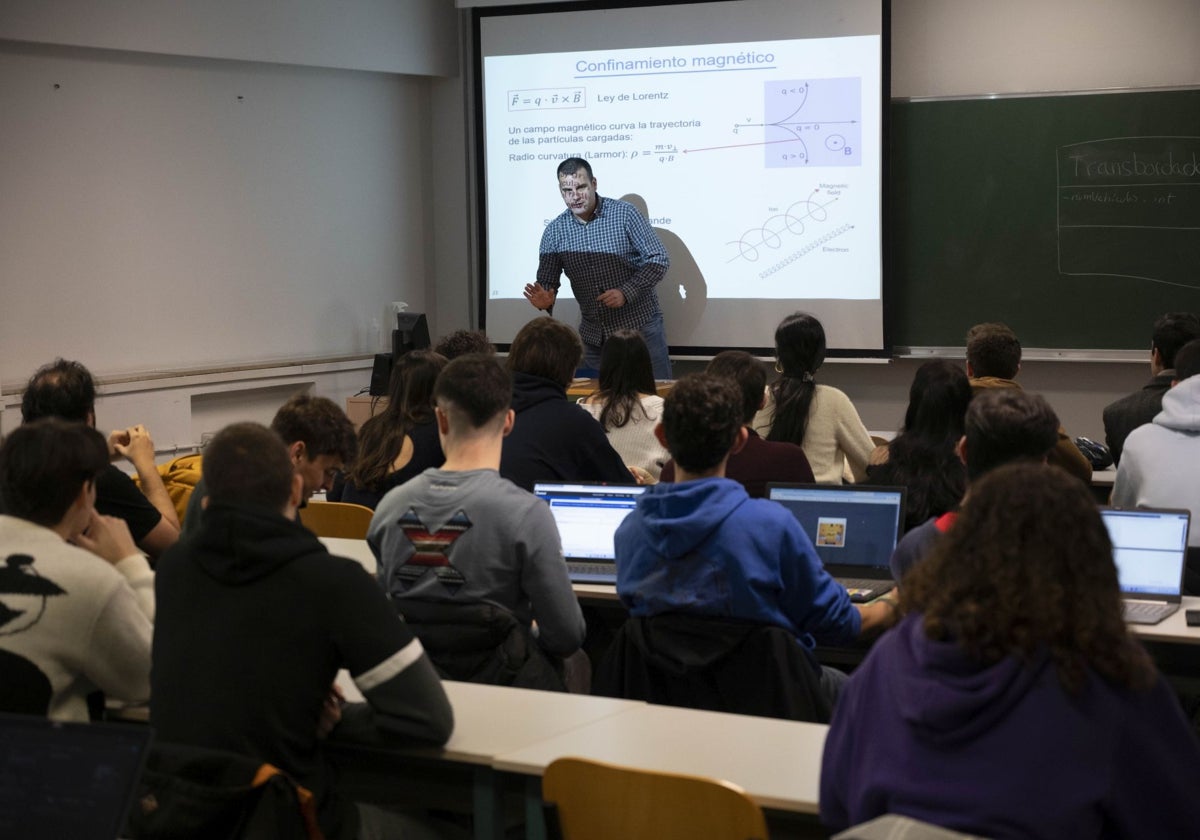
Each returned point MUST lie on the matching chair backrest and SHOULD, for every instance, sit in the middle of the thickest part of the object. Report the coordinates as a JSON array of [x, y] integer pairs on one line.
[[597, 801], [337, 519], [718, 664]]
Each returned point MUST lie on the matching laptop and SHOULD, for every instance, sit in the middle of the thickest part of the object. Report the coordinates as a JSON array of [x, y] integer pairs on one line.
[[1150, 550], [74, 780], [587, 516], [853, 527]]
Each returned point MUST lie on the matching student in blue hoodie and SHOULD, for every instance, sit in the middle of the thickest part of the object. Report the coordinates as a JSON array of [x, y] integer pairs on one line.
[[1011, 701], [703, 546]]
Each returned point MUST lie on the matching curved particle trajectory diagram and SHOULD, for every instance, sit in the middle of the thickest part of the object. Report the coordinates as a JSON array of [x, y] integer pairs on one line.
[[815, 122]]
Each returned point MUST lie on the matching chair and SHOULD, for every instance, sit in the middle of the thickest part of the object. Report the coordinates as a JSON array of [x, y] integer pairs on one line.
[[598, 801], [337, 519], [718, 664]]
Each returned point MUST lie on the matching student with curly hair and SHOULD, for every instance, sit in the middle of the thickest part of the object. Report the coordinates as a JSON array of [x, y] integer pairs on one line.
[[627, 403], [401, 442], [821, 419], [1011, 700]]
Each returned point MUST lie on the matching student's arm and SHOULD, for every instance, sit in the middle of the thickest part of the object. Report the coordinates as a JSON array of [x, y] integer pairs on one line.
[[1066, 454], [878, 615], [108, 538], [544, 579], [853, 438], [136, 445], [118, 657]]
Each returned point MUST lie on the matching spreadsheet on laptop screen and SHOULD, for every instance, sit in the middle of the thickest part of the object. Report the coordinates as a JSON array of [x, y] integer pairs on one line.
[[587, 515], [1149, 549]]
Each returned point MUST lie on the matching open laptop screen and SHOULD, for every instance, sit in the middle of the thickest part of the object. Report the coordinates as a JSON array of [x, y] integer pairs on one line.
[[1149, 548], [587, 515], [849, 525]]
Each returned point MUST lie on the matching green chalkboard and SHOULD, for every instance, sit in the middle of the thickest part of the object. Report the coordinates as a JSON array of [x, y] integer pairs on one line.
[[1075, 218]]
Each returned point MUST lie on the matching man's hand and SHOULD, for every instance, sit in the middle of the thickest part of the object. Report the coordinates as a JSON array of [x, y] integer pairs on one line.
[[108, 538], [540, 296], [613, 299], [135, 444], [331, 711]]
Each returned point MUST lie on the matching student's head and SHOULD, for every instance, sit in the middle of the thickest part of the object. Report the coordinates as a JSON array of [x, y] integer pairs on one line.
[[1006, 424], [993, 350], [800, 345], [247, 465], [410, 390], [462, 342], [1171, 332], [546, 348], [45, 464], [701, 419], [474, 393], [319, 437], [1027, 567], [747, 373], [60, 389], [1187, 361], [937, 401]]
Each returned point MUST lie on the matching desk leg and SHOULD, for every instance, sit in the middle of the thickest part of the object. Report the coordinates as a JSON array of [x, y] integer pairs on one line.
[[535, 814], [489, 805]]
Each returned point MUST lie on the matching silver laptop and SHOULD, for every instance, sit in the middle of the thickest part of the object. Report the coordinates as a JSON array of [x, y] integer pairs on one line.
[[1150, 550], [587, 516], [74, 780], [853, 527]]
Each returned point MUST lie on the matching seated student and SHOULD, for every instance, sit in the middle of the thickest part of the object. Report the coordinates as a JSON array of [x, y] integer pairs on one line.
[[818, 418], [400, 442], [257, 617], [1001, 426], [462, 342], [552, 440], [320, 440], [461, 534], [1171, 332], [703, 546], [1158, 469], [1011, 701], [993, 361], [627, 403], [76, 596], [923, 457], [66, 390], [759, 461]]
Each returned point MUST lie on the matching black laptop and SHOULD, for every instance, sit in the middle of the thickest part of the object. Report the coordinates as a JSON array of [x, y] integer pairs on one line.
[[853, 527], [587, 516], [73, 780]]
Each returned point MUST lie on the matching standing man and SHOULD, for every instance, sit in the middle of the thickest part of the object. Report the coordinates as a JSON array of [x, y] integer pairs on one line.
[[614, 260]]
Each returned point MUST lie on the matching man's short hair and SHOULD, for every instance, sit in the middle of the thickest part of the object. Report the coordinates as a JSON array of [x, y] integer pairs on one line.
[[993, 350], [547, 348], [473, 390], [1171, 332], [462, 342], [1007, 424], [45, 463], [247, 465], [701, 417], [319, 423], [747, 373], [62, 389], [572, 165], [1187, 360]]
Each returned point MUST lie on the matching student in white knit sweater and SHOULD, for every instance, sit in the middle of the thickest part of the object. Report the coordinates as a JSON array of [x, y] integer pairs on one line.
[[627, 402], [818, 417], [76, 595]]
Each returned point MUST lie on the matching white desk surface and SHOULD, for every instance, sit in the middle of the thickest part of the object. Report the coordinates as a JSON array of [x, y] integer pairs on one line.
[[595, 591], [1173, 628], [354, 549], [777, 762], [1104, 477]]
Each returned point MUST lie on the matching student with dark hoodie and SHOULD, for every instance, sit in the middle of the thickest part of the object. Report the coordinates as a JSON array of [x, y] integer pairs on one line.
[[1007, 703], [703, 546], [256, 619], [553, 439]]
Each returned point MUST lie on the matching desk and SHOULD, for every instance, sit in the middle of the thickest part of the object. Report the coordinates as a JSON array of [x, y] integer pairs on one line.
[[354, 549], [1173, 629], [582, 387]]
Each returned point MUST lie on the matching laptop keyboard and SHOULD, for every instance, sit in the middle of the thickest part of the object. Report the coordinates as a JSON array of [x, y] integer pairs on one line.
[[865, 589], [581, 568], [1145, 612]]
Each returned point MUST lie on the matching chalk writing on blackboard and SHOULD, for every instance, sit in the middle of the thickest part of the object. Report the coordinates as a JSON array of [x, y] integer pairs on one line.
[[1125, 203]]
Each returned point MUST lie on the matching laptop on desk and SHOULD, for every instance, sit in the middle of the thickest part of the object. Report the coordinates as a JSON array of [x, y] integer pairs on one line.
[[1150, 551], [853, 527], [73, 780], [587, 516]]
